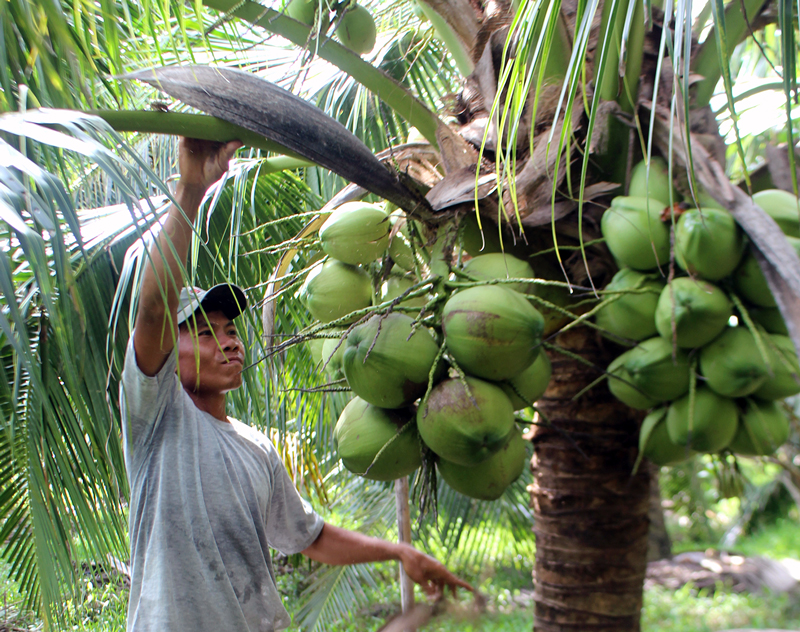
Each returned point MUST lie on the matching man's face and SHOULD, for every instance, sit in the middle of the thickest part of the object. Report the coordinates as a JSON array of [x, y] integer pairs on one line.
[[210, 356]]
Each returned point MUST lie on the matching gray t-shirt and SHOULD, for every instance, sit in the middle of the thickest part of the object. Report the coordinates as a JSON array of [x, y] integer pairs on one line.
[[208, 499]]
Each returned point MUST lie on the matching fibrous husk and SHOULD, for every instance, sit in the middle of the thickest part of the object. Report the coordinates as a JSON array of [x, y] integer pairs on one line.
[[465, 427], [656, 185], [500, 266], [655, 444], [490, 478], [356, 233], [701, 312], [635, 234], [386, 365], [492, 332], [364, 430], [763, 428], [781, 206], [356, 30], [648, 374], [785, 380], [631, 316], [732, 363], [709, 427], [527, 387], [708, 243], [749, 280], [335, 289]]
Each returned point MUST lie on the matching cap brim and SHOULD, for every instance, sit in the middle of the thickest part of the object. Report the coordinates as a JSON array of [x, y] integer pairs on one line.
[[226, 298]]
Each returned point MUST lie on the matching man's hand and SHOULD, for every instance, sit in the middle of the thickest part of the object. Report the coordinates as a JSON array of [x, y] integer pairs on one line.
[[431, 575], [203, 162]]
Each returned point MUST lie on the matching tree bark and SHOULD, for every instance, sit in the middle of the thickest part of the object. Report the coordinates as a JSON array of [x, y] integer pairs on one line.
[[590, 513]]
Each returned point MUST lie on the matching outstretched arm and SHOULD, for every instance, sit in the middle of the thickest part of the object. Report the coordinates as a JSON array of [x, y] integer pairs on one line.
[[337, 546], [201, 164]]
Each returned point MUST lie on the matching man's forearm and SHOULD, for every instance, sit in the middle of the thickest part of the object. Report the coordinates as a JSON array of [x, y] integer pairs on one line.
[[336, 546]]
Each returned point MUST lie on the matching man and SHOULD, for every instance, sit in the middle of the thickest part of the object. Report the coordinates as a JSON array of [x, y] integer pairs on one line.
[[210, 495]]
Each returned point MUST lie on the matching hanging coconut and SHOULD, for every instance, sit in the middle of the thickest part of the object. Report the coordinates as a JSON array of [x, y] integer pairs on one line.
[[335, 289], [386, 365], [749, 280], [785, 380], [333, 357], [465, 427], [356, 233], [634, 232], [655, 444], [700, 310], [492, 332], [489, 479], [500, 266], [395, 286], [763, 428], [769, 318], [708, 243], [632, 315], [315, 348], [356, 30], [480, 240], [305, 11], [527, 387], [400, 244], [375, 443], [732, 363], [648, 374], [708, 427], [781, 206], [656, 185]]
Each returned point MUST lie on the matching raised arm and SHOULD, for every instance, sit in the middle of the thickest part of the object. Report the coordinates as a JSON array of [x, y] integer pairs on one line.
[[201, 164], [337, 546]]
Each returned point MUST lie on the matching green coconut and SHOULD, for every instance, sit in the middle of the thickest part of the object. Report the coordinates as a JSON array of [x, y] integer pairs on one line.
[[648, 374], [387, 366], [709, 427], [492, 332], [769, 318], [500, 266], [333, 357], [781, 206], [465, 427], [356, 30], [632, 315], [315, 348], [394, 286], [305, 11], [479, 240], [656, 186], [708, 243], [489, 479], [400, 245], [763, 428], [749, 280], [785, 369], [732, 363], [700, 309], [527, 387], [634, 232], [378, 444], [356, 233], [655, 444], [335, 289]]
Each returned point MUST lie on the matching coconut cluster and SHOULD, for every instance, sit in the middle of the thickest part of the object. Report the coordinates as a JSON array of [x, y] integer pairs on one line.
[[712, 355], [354, 26], [439, 358]]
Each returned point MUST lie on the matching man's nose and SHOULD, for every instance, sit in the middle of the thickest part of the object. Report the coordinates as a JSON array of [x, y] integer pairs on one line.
[[230, 343]]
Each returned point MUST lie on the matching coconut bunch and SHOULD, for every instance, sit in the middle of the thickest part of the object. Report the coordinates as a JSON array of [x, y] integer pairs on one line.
[[354, 26], [711, 355], [438, 356]]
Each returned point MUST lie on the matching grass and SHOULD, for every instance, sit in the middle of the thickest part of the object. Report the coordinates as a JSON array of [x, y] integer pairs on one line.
[[102, 608]]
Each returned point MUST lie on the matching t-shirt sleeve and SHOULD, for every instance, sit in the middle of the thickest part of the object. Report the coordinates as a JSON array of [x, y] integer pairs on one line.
[[143, 400], [292, 525]]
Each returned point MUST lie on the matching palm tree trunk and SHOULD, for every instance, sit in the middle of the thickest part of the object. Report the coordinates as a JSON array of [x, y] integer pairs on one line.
[[590, 513]]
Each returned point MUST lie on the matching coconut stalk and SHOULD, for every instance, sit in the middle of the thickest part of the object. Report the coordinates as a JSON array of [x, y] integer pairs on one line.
[[404, 535], [590, 513]]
